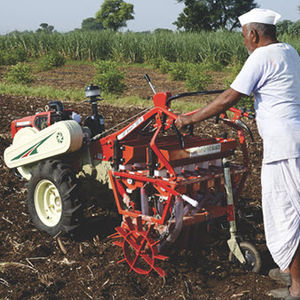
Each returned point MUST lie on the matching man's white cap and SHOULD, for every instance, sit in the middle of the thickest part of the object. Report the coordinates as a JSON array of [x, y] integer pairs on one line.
[[259, 15]]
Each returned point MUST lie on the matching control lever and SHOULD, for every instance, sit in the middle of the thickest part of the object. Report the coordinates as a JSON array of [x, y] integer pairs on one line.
[[150, 83], [180, 137]]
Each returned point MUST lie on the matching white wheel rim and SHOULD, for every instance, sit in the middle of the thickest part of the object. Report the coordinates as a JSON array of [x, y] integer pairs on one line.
[[47, 202]]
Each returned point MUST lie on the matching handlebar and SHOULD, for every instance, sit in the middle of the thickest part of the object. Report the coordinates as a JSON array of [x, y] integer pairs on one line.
[[239, 113], [188, 94], [146, 76]]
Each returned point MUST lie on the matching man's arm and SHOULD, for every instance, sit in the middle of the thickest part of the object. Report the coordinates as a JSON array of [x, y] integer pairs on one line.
[[220, 104]]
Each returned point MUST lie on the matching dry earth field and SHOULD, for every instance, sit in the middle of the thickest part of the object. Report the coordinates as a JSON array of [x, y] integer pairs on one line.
[[34, 265]]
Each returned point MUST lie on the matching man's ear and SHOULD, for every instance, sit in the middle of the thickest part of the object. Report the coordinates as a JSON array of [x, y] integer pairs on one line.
[[256, 36]]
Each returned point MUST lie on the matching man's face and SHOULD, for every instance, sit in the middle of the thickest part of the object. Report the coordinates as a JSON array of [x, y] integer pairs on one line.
[[249, 39]]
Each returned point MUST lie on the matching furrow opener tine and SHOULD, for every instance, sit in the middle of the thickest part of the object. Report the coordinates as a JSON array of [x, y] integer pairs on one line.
[[155, 243], [161, 257], [129, 223], [114, 235], [160, 271], [139, 224], [118, 243], [121, 231], [151, 263], [129, 240], [150, 229], [139, 239], [121, 260], [147, 259]]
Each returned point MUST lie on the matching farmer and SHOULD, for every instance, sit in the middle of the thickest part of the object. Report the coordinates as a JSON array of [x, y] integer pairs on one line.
[[272, 74]]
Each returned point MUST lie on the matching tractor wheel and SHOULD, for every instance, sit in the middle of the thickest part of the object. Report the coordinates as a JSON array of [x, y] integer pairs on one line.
[[53, 198], [252, 256]]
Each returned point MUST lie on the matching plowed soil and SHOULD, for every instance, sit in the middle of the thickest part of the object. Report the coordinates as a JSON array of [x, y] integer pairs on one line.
[[34, 265]]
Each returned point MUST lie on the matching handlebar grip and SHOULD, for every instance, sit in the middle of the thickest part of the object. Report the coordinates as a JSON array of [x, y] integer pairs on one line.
[[147, 77], [190, 129]]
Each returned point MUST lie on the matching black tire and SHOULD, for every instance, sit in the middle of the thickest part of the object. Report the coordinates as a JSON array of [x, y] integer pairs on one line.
[[53, 201], [252, 256]]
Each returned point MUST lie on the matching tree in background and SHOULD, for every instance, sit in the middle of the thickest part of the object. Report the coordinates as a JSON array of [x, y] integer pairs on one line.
[[212, 14], [284, 26], [295, 28], [91, 24], [45, 28], [288, 27], [114, 14]]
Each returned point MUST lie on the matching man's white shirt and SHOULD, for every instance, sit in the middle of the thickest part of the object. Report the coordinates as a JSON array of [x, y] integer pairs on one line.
[[272, 74]]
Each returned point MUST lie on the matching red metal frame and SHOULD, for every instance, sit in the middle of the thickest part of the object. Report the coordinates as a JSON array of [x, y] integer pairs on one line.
[[134, 149], [103, 149]]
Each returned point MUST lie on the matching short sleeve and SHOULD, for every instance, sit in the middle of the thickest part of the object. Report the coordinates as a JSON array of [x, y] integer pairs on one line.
[[251, 73]]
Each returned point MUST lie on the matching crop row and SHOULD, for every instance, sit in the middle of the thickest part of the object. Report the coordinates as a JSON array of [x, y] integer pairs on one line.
[[221, 47], [130, 47]]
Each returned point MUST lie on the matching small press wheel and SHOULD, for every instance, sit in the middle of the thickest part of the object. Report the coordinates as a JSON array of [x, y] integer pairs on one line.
[[252, 256], [139, 248]]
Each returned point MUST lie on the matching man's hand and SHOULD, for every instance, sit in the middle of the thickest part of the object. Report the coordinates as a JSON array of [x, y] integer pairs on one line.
[[217, 106], [182, 121]]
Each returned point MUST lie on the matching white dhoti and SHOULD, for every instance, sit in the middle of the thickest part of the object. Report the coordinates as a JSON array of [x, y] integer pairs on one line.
[[281, 209]]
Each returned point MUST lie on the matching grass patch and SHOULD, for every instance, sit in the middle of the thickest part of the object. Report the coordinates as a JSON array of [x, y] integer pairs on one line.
[[43, 92], [144, 65], [50, 93], [79, 62]]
